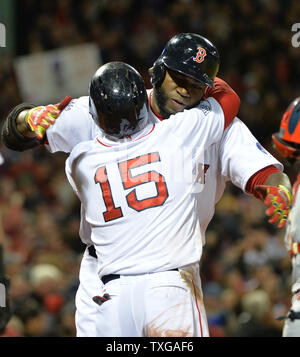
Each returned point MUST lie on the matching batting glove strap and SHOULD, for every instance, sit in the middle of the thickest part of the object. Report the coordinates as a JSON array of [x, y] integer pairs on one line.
[[278, 199]]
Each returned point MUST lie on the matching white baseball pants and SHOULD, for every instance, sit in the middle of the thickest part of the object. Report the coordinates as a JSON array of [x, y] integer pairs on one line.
[[164, 304]]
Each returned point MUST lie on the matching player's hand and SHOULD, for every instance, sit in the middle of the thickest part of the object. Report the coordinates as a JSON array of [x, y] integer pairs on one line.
[[40, 118], [278, 199]]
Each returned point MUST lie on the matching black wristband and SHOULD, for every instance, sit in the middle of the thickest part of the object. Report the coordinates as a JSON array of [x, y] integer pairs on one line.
[[10, 135]]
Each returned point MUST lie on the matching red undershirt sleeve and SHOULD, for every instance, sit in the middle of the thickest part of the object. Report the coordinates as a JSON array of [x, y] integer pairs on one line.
[[226, 97], [259, 178]]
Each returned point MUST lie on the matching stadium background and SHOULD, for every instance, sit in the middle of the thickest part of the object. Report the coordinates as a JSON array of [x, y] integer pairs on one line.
[[245, 267]]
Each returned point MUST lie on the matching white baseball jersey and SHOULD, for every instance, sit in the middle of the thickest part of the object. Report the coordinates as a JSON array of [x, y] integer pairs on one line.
[[143, 188], [236, 157], [73, 126]]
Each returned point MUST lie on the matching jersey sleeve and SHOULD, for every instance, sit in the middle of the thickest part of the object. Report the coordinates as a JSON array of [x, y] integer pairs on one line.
[[241, 155], [201, 125], [73, 126], [226, 97]]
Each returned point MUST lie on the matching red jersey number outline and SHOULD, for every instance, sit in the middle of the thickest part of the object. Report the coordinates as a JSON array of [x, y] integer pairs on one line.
[[200, 55], [129, 181], [112, 212]]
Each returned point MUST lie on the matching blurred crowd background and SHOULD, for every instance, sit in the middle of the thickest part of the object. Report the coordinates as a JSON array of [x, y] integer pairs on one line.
[[245, 268]]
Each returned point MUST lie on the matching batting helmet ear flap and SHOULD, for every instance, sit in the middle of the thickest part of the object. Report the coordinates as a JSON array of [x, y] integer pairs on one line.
[[158, 73]]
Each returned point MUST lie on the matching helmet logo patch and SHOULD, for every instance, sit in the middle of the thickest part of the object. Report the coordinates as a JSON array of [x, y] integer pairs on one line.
[[200, 55]]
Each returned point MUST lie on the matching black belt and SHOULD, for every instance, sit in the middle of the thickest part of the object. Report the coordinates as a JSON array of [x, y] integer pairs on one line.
[[106, 278], [92, 251]]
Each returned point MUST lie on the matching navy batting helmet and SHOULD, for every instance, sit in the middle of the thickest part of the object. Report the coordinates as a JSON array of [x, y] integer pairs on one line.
[[189, 54], [118, 99]]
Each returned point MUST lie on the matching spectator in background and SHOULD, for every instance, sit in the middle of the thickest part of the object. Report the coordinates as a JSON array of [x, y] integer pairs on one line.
[[256, 319]]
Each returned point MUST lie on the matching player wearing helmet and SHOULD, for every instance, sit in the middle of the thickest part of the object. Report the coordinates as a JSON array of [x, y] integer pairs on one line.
[[236, 157], [186, 57], [143, 217], [118, 100], [287, 143]]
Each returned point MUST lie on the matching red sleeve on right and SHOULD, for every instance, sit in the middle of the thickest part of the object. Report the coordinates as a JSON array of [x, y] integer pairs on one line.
[[226, 97], [259, 178]]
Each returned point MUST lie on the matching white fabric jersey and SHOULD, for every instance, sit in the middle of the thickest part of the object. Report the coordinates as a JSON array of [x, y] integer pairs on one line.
[[140, 196], [235, 158], [73, 126]]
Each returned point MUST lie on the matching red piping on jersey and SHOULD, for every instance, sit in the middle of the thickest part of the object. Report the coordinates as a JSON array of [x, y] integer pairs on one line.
[[259, 178], [156, 114], [147, 133], [108, 146], [198, 309]]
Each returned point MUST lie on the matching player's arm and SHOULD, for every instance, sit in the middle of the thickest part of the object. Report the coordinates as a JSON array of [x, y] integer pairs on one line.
[[12, 135], [274, 189], [226, 97], [26, 124], [250, 167]]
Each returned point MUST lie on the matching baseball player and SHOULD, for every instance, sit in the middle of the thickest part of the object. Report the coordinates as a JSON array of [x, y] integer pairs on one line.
[[237, 157], [287, 142], [133, 181]]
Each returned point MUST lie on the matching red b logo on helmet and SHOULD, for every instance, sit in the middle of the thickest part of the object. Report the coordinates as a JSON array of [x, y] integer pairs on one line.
[[200, 55]]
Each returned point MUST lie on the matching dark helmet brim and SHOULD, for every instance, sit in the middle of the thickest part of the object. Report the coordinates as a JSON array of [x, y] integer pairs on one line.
[[189, 71]]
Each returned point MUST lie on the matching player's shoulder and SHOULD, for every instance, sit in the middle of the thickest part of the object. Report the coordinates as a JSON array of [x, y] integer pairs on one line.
[[209, 106], [83, 101], [237, 127], [78, 103], [207, 111]]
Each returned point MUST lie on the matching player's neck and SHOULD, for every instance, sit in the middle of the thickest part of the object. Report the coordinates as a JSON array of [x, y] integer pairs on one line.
[[154, 105]]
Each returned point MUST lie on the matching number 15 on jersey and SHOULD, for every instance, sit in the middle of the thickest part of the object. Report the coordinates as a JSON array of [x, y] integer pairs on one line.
[[131, 181]]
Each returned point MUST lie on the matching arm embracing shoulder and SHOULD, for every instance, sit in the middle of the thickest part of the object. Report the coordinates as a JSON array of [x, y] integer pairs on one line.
[[15, 134], [226, 97]]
